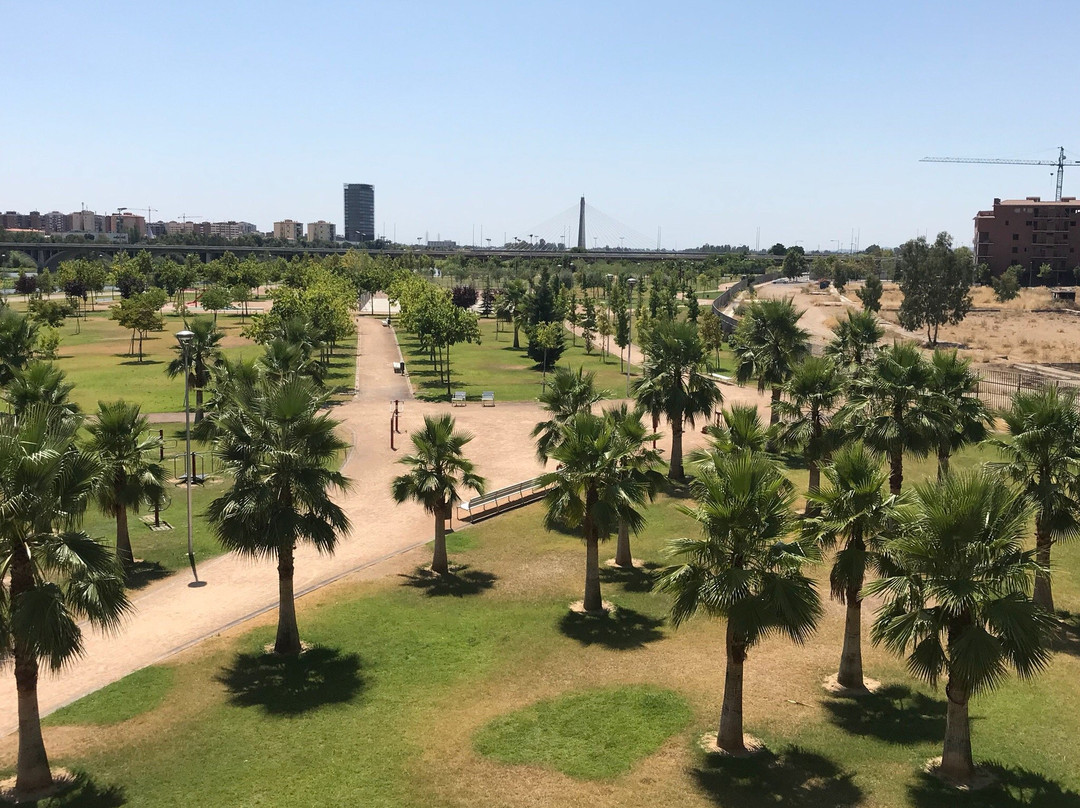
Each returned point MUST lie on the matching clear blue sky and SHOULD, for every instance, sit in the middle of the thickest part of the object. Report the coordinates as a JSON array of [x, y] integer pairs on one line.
[[710, 119]]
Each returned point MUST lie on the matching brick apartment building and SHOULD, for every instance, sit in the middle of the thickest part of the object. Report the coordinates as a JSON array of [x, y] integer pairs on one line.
[[1029, 233]]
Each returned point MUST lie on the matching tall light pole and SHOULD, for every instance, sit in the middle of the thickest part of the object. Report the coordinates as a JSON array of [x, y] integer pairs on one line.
[[185, 339], [630, 283]]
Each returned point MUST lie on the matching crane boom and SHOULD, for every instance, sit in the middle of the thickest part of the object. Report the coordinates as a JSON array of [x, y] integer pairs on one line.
[[1060, 162]]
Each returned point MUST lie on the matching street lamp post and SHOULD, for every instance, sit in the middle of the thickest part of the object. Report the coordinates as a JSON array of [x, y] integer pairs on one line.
[[185, 338], [630, 283]]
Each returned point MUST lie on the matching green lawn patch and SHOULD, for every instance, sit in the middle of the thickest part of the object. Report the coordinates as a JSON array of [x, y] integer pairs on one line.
[[135, 694], [594, 735]]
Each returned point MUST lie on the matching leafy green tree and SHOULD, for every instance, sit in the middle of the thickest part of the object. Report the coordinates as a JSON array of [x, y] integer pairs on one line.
[[549, 341], [46, 284], [279, 445], [48, 343], [17, 337], [571, 392], [673, 383], [768, 343], [605, 329], [439, 472], [693, 308], [49, 312], [142, 314], [573, 316], [711, 330], [1041, 457], [856, 338], [795, 263], [963, 418], [742, 569], [892, 407], [813, 392], [56, 575], [936, 283], [957, 604], [121, 441], [1007, 285], [215, 298], [204, 353], [593, 488], [870, 294], [853, 517], [588, 324]]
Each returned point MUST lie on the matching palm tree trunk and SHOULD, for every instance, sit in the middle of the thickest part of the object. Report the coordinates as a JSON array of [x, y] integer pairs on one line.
[[593, 600], [730, 736], [956, 762], [676, 470], [896, 471], [32, 770], [123, 538], [851, 669], [198, 404], [815, 477], [288, 635], [774, 416], [622, 548], [942, 462], [517, 345], [439, 562], [1044, 593]]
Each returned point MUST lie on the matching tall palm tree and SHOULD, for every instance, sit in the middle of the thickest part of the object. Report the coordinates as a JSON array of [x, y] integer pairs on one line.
[[856, 338], [673, 382], [54, 574], [17, 336], [964, 418], [229, 378], [439, 471], [742, 569], [571, 392], [892, 407], [41, 383], [279, 446], [741, 431], [641, 462], [958, 604], [813, 392], [854, 517], [511, 305], [203, 353], [591, 489], [1042, 458], [121, 440], [768, 343]]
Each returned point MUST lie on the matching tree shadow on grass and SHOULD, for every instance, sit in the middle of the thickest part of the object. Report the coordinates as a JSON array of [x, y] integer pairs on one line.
[[620, 629], [1014, 788], [634, 579], [1067, 637], [288, 685], [144, 573], [461, 581], [894, 714], [83, 792], [794, 778]]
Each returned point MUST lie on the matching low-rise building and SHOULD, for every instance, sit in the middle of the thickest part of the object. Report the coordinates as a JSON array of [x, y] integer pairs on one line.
[[1029, 233], [321, 231], [288, 230]]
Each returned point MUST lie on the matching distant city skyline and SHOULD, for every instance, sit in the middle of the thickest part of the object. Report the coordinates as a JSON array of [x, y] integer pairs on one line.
[[708, 122]]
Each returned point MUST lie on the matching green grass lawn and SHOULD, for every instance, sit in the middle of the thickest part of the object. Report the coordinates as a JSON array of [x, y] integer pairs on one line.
[[484, 690], [135, 694]]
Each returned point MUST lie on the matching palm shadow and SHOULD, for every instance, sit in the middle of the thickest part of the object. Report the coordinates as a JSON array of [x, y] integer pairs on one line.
[[1014, 787], [895, 714], [633, 579], [458, 583], [83, 792], [1067, 638], [291, 685], [620, 629], [794, 778], [144, 573]]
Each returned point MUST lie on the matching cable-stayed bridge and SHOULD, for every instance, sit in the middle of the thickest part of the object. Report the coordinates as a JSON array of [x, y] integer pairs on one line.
[[583, 226]]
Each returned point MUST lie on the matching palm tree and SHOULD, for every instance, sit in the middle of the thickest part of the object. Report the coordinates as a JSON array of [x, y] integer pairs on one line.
[[1042, 458], [852, 514], [768, 343], [228, 379], [279, 447], [571, 392], [742, 569], [892, 407], [856, 338], [594, 488], [742, 431], [17, 337], [122, 443], [813, 391], [640, 461], [439, 470], [41, 383], [673, 382], [55, 575], [958, 602], [203, 352], [511, 306], [964, 419]]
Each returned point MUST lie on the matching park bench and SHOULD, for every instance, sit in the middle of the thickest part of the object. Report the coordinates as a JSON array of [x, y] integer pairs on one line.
[[501, 499], [487, 398], [459, 398]]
